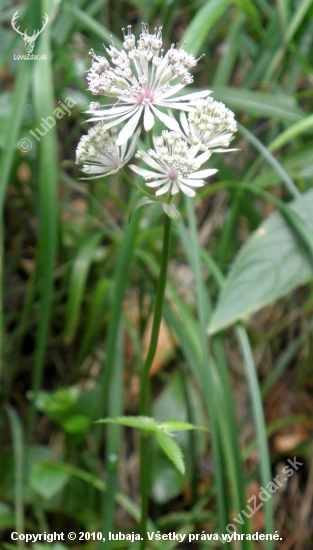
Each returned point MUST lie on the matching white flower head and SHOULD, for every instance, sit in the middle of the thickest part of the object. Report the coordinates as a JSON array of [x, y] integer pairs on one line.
[[141, 78], [100, 153], [209, 125], [174, 165]]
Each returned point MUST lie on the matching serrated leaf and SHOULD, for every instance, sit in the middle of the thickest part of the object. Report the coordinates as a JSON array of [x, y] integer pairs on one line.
[[174, 425], [47, 480], [172, 450], [272, 262], [144, 423], [171, 211]]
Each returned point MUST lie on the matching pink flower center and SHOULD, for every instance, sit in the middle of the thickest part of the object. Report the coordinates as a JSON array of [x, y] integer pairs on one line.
[[173, 174], [146, 98]]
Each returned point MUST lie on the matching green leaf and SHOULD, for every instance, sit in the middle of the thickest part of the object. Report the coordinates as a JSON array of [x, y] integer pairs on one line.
[[197, 33], [76, 424], [171, 211], [272, 262], [47, 480], [172, 450], [144, 423], [258, 103], [77, 284], [141, 202], [174, 425]]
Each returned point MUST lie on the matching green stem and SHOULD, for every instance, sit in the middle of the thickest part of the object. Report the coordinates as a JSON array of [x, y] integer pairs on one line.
[[138, 188], [144, 383]]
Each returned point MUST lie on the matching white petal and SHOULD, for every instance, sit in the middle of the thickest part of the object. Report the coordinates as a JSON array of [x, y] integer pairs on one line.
[[164, 189], [123, 150], [148, 119], [161, 67], [204, 157], [102, 175], [187, 190], [115, 122], [193, 183], [145, 173], [184, 123], [112, 109], [133, 144], [156, 183], [170, 122], [225, 150], [174, 105], [203, 173], [172, 91], [218, 140], [194, 95], [175, 188], [151, 162], [129, 127]]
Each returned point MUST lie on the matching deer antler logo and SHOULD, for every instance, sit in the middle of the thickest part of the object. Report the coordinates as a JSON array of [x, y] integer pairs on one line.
[[29, 40]]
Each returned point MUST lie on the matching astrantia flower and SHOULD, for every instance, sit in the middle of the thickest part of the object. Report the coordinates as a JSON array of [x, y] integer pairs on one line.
[[174, 166], [138, 79], [100, 153], [209, 125]]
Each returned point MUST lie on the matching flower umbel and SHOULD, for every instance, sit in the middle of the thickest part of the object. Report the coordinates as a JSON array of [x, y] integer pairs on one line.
[[174, 165], [100, 153], [141, 79], [210, 124]]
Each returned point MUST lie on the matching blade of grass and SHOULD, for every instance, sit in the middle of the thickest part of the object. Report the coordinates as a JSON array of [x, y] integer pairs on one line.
[[226, 66], [221, 391], [48, 207], [13, 125], [115, 409], [197, 32], [270, 159], [78, 278], [120, 280], [258, 415], [91, 25], [17, 435], [207, 371], [302, 9]]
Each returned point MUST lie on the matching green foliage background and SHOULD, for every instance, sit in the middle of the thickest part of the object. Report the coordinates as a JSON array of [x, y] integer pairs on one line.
[[79, 279]]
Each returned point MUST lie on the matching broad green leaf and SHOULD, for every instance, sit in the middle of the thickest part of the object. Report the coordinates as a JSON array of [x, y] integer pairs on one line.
[[174, 425], [76, 424], [172, 450], [144, 423], [272, 262], [47, 480], [257, 103]]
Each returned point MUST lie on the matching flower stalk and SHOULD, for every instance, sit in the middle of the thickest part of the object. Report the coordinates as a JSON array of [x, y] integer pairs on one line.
[[145, 382], [139, 83]]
